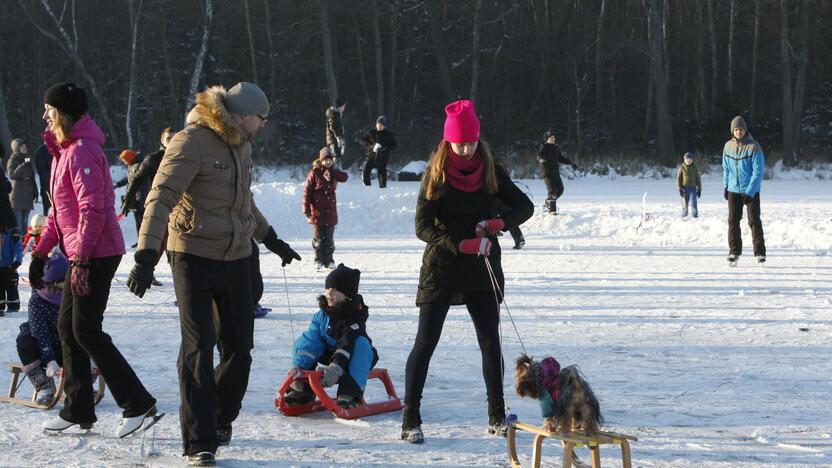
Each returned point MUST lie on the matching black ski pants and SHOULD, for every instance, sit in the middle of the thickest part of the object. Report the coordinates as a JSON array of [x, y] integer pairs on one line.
[[323, 242], [256, 276], [82, 339], [215, 308], [371, 164], [554, 187], [482, 307], [9, 294], [735, 205]]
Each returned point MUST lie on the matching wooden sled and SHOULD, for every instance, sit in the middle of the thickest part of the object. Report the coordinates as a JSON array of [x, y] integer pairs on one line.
[[17, 374], [570, 442], [324, 402]]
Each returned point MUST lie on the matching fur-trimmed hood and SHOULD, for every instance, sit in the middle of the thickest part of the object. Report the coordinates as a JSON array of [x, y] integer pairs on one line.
[[210, 112]]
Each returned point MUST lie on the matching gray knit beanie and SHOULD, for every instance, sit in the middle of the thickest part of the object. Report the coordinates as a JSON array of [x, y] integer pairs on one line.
[[738, 122], [247, 98]]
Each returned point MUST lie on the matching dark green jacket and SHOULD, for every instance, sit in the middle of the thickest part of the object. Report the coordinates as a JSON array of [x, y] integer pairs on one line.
[[688, 176], [443, 223]]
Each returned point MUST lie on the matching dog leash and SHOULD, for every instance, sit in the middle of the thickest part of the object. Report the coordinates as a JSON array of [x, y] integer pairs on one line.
[[289, 306], [495, 286]]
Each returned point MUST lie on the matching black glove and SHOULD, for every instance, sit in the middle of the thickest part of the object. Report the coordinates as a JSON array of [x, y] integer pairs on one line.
[[682, 193], [725, 194], [699, 193], [141, 276], [14, 266], [574, 167], [746, 200], [279, 247], [36, 271]]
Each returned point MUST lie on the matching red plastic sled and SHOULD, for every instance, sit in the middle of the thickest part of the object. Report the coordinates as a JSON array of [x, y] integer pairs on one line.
[[325, 402]]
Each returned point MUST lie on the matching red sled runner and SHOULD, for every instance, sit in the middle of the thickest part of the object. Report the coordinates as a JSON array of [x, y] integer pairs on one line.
[[325, 402]]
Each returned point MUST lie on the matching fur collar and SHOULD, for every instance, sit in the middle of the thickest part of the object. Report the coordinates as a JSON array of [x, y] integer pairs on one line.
[[210, 112]]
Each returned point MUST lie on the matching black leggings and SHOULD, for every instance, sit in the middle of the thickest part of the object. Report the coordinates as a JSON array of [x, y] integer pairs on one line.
[[485, 315]]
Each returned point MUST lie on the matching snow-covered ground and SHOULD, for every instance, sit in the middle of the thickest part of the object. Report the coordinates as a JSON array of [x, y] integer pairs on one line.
[[707, 365]]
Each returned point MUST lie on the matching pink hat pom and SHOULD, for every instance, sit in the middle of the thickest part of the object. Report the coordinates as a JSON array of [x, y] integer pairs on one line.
[[461, 123]]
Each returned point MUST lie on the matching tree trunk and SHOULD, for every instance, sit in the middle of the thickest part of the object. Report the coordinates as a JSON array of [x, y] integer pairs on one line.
[[199, 63], [250, 44], [379, 59], [732, 35], [714, 61], [793, 94], [394, 53], [135, 10], [475, 52], [664, 122], [438, 46], [599, 54], [755, 51], [367, 99], [329, 66], [5, 132]]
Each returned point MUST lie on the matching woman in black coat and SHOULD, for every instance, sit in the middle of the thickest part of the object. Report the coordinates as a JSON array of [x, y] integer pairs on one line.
[[454, 217]]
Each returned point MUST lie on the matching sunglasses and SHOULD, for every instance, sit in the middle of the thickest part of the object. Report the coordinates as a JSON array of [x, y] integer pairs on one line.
[[262, 119]]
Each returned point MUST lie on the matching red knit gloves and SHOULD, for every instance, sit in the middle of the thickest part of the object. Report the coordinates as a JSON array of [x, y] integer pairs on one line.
[[478, 246], [488, 227]]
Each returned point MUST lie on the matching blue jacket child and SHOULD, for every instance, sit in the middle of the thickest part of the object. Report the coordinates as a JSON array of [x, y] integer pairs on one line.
[[11, 254], [337, 341]]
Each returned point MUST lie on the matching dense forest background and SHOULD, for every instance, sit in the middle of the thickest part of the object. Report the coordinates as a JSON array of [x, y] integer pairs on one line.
[[620, 81]]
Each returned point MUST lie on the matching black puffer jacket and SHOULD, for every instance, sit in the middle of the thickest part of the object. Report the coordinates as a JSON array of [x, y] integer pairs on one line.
[[385, 139], [443, 223], [141, 179], [550, 159], [346, 324]]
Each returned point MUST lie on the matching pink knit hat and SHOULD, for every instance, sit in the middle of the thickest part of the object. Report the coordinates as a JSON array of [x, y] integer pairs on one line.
[[461, 123]]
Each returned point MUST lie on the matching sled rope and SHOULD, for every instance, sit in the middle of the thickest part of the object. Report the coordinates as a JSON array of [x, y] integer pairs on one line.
[[289, 306], [495, 286]]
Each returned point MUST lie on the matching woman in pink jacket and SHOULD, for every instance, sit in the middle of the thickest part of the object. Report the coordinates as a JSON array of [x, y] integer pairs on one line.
[[83, 224]]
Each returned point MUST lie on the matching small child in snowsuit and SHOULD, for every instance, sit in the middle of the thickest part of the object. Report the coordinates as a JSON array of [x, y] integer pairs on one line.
[[33, 232], [38, 343], [11, 254], [320, 206], [689, 185], [336, 340]]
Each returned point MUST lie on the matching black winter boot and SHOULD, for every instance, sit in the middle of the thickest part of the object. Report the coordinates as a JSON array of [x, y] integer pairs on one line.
[[224, 435], [412, 424], [497, 417]]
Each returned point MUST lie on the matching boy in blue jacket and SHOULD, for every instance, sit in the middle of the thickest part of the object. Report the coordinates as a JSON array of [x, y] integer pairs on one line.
[[743, 165], [337, 342]]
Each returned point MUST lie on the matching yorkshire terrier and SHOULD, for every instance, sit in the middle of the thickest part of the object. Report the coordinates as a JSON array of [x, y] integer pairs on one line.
[[570, 400]]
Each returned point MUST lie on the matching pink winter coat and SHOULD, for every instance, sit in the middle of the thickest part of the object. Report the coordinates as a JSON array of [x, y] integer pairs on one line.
[[83, 217]]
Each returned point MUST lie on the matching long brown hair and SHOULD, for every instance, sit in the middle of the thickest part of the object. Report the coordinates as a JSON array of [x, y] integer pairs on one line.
[[434, 177], [63, 124]]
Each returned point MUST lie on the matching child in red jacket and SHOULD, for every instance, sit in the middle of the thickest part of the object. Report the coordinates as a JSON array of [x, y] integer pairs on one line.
[[320, 206], [33, 232]]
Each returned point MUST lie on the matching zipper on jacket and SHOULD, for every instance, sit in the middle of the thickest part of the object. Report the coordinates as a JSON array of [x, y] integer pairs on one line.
[[233, 201]]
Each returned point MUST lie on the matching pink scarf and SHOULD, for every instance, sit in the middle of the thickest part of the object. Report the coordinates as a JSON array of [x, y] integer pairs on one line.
[[465, 175]]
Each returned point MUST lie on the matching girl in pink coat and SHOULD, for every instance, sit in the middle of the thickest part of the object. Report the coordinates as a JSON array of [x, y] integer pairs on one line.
[[82, 223]]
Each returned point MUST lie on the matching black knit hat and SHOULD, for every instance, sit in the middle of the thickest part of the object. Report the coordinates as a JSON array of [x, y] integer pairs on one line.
[[339, 102], [344, 279], [68, 98]]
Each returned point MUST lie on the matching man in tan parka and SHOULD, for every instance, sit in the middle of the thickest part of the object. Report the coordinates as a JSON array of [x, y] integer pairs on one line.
[[202, 193]]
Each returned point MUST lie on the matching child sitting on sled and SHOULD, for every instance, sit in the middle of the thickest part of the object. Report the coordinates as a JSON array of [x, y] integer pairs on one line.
[[337, 342], [38, 343]]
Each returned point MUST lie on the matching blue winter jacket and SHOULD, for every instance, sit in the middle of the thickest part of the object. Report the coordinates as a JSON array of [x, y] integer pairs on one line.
[[11, 250], [743, 165], [336, 333]]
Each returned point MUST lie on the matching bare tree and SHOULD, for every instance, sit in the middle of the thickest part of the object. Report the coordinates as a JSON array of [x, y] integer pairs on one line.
[[5, 133], [379, 59], [599, 54], [714, 62], [199, 63], [755, 53], [329, 65], [70, 47], [732, 38], [793, 93], [437, 43], [135, 9], [475, 52], [664, 122], [251, 50], [394, 52]]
